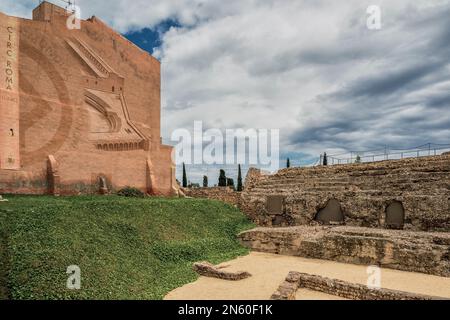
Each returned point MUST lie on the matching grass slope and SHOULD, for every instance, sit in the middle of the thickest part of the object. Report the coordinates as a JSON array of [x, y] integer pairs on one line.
[[126, 248]]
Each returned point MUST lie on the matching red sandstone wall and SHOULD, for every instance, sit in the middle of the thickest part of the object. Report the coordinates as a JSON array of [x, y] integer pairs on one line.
[[9, 97], [55, 119]]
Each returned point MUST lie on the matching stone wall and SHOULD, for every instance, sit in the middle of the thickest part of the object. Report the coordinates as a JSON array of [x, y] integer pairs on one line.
[[364, 192], [396, 249], [296, 280], [88, 98], [224, 194]]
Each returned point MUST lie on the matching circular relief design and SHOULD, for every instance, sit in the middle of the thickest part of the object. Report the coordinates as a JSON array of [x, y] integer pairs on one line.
[[35, 115]]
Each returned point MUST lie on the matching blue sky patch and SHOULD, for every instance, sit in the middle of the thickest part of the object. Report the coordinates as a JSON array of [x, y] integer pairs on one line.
[[150, 38]]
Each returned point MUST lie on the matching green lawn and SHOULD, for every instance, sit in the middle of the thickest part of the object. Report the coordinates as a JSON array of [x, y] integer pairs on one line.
[[126, 248]]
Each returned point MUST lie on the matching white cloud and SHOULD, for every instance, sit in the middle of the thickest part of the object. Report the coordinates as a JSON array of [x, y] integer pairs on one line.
[[278, 66], [308, 67]]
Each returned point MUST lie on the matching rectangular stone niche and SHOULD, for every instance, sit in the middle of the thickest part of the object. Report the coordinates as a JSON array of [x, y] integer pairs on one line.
[[275, 204]]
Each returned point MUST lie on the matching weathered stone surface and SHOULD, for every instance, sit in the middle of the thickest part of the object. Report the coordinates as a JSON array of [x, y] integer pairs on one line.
[[224, 194], [208, 270], [403, 250], [296, 280], [364, 192], [88, 98]]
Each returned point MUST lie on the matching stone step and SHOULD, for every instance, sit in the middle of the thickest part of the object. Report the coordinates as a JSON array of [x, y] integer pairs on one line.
[[434, 166], [370, 193], [356, 182], [354, 174]]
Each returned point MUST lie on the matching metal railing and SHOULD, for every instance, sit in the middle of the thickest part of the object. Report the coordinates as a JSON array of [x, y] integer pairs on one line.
[[388, 153]]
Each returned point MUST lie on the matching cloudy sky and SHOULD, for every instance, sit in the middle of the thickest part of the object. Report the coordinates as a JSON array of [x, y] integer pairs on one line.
[[310, 68]]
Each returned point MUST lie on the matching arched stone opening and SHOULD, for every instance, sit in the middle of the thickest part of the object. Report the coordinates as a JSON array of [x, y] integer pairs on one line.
[[395, 216], [275, 206], [331, 214]]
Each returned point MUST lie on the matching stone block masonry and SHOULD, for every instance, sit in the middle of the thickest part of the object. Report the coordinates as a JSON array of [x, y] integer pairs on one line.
[[411, 194], [402, 250], [296, 280], [224, 194]]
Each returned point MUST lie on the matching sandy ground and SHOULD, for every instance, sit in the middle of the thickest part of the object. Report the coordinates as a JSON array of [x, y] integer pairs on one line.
[[269, 270]]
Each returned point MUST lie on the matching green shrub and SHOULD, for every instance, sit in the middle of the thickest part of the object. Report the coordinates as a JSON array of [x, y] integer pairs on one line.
[[222, 178], [130, 192]]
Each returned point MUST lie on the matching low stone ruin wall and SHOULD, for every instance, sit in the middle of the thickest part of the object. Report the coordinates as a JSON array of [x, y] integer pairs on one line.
[[402, 250], [411, 194], [206, 269], [223, 194], [296, 280]]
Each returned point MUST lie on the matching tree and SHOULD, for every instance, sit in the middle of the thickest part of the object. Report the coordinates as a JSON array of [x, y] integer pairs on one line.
[[222, 178], [325, 159], [185, 182], [288, 163], [205, 182], [230, 183], [239, 181], [358, 159]]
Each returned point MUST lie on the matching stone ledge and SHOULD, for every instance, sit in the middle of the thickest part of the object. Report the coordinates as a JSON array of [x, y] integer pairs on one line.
[[425, 252], [296, 280], [206, 269]]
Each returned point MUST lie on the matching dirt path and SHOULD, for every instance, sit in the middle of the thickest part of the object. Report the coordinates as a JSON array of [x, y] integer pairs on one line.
[[270, 270]]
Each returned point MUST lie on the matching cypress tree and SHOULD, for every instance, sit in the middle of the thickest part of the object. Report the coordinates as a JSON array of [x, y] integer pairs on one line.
[[325, 159], [222, 178], [239, 181], [185, 182], [205, 182], [288, 163]]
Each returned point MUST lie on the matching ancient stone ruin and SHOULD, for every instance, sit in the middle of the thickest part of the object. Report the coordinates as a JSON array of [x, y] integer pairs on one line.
[[347, 290], [224, 194], [410, 194], [79, 109], [207, 269], [394, 214]]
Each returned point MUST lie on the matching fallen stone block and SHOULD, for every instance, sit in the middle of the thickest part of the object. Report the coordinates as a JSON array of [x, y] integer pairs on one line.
[[206, 269]]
